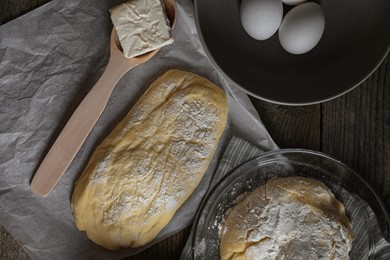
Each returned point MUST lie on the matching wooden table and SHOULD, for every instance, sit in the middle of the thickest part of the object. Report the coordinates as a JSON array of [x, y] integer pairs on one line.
[[354, 128]]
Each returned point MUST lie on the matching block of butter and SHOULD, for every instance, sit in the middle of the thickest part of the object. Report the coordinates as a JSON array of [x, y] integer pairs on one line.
[[141, 26], [151, 162]]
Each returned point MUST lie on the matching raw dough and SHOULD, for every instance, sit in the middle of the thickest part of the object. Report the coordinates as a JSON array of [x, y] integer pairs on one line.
[[151, 162], [287, 218]]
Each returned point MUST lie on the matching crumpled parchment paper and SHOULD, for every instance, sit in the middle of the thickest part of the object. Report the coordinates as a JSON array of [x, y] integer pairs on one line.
[[49, 59]]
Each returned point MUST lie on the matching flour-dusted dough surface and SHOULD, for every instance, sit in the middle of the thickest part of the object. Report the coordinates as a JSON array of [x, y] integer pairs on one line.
[[151, 162], [287, 218]]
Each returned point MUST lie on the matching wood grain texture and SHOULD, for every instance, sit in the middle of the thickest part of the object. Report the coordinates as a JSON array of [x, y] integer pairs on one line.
[[291, 127], [10, 248], [356, 129], [10, 9]]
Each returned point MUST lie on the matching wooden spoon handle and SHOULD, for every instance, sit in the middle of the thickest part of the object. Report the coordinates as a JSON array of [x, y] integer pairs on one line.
[[78, 127]]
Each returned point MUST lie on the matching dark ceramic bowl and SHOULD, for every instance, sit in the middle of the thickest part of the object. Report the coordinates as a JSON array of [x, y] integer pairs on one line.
[[355, 41]]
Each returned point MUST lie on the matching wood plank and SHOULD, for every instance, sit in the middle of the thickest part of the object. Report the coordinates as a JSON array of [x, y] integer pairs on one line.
[[11, 9], [24, 6], [5, 14], [10, 248], [291, 126], [356, 129]]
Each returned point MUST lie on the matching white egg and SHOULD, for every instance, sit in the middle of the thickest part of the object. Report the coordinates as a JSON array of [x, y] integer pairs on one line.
[[302, 28], [293, 2], [261, 18]]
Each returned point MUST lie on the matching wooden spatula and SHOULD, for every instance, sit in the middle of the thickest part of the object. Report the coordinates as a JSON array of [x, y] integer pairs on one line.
[[88, 112]]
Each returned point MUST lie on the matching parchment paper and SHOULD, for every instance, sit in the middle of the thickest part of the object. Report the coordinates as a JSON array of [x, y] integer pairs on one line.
[[49, 60]]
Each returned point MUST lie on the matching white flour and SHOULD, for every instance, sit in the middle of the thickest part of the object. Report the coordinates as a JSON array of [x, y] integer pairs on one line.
[[287, 222]]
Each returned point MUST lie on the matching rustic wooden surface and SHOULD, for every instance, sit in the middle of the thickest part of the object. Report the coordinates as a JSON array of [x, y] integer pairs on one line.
[[354, 128]]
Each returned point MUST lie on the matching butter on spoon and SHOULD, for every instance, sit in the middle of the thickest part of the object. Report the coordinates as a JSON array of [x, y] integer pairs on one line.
[[141, 26]]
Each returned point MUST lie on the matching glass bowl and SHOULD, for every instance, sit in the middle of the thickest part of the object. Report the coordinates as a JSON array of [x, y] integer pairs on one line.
[[369, 217]]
